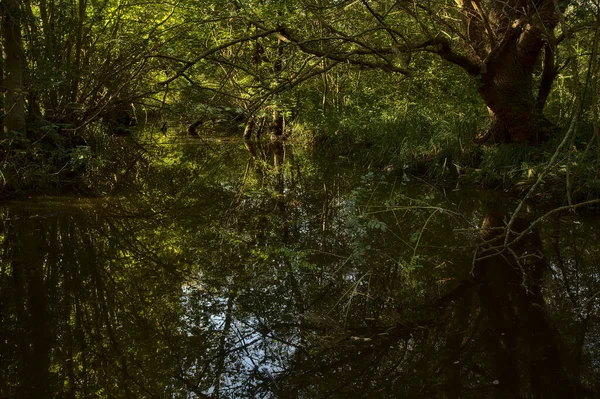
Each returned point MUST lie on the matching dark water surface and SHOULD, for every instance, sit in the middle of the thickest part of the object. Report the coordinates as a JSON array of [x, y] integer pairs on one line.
[[243, 271]]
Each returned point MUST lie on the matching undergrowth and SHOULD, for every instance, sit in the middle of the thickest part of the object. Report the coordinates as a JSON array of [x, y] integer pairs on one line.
[[48, 161], [444, 150], [54, 161]]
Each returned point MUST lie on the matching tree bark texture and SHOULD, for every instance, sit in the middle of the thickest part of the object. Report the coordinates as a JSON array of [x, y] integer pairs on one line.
[[14, 67], [508, 40]]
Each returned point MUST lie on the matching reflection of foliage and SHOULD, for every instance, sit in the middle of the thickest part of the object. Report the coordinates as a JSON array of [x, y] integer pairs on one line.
[[253, 280], [358, 222]]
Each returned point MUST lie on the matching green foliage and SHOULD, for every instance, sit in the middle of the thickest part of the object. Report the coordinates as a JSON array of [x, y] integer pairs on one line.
[[226, 62], [50, 161], [359, 225]]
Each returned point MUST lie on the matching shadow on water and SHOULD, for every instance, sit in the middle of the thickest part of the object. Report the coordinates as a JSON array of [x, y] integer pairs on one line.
[[255, 270]]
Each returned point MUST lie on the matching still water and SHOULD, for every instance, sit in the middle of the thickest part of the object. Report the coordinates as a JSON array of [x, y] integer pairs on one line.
[[246, 270]]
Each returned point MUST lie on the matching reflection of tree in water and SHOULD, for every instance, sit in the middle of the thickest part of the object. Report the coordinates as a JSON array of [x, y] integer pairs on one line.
[[76, 322], [492, 336], [280, 281]]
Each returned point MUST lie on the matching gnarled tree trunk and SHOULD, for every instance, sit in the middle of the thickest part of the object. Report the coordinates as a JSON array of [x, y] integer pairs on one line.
[[514, 113], [507, 46]]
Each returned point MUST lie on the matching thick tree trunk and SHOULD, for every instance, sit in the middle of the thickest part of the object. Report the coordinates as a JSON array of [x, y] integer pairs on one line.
[[14, 67], [514, 116], [508, 91], [503, 49]]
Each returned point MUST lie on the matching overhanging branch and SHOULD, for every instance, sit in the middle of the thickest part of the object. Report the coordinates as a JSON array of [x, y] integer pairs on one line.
[[213, 50], [347, 57], [443, 49], [437, 45]]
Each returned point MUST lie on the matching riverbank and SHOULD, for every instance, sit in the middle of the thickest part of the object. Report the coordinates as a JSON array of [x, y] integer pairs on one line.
[[105, 164]]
